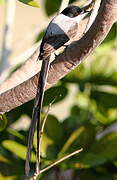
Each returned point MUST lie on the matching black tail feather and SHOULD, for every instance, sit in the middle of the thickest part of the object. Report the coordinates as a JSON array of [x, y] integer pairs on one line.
[[36, 114]]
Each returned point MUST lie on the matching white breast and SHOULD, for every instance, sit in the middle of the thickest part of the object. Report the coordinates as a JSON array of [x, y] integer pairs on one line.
[[60, 24]]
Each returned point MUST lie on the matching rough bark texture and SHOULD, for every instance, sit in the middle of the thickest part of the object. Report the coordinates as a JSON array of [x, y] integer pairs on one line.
[[67, 61]]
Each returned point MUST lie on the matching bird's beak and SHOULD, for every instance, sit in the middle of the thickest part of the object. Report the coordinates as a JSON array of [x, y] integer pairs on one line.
[[88, 8]]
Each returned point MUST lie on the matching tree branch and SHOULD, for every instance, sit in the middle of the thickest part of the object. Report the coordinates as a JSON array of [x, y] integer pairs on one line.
[[67, 61], [23, 73]]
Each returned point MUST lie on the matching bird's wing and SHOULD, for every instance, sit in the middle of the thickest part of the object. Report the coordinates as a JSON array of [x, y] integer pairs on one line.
[[57, 35], [52, 44]]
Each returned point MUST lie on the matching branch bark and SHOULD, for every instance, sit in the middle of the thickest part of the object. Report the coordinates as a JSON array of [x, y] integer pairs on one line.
[[67, 61]]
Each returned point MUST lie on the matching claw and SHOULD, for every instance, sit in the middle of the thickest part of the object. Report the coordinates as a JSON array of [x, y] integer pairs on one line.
[[65, 46]]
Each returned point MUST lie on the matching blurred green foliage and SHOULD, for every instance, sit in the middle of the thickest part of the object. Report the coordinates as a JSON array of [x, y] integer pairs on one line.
[[51, 6], [3, 122], [93, 112], [1, 1], [33, 3], [30, 3]]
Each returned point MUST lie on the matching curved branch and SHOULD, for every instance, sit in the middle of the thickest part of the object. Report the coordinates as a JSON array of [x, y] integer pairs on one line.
[[23, 73], [67, 61]]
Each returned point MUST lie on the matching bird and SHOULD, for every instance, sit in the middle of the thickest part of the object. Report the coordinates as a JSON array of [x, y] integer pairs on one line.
[[60, 31]]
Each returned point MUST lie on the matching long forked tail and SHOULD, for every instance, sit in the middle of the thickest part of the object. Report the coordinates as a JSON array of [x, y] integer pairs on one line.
[[36, 113]]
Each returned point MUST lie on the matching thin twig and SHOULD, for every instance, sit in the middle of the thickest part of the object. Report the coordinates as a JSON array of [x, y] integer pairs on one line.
[[56, 162], [60, 160], [42, 130], [48, 110]]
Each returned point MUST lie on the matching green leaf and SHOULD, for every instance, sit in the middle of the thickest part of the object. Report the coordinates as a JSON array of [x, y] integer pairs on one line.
[[70, 124], [14, 114], [112, 114], [16, 148], [45, 143], [106, 72], [100, 79], [107, 146], [104, 64], [30, 3], [8, 177], [17, 112], [91, 159], [53, 129], [102, 117], [79, 74], [71, 139], [3, 122], [15, 133], [58, 92], [51, 6], [4, 159], [82, 100], [51, 153], [88, 136], [106, 99], [75, 110], [40, 36], [10, 168]]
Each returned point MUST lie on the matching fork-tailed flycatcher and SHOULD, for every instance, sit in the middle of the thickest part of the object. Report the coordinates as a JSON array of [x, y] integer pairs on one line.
[[62, 29]]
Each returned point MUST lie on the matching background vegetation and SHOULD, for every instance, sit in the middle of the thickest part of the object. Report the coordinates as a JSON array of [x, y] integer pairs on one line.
[[90, 123]]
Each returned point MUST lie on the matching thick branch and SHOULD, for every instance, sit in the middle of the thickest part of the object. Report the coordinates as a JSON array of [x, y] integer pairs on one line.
[[66, 61], [31, 66]]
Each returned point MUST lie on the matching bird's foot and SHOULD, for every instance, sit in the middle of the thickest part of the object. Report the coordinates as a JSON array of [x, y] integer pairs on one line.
[[38, 58], [65, 46], [55, 55]]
